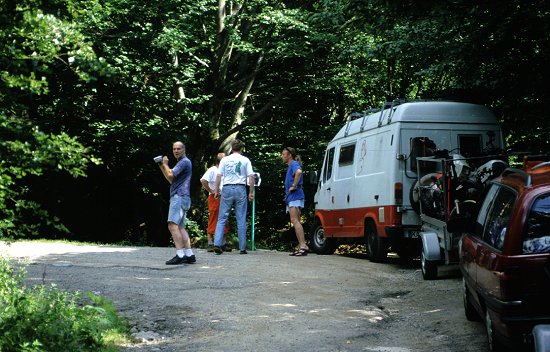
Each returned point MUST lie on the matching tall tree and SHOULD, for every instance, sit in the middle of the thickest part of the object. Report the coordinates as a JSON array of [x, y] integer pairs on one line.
[[36, 45]]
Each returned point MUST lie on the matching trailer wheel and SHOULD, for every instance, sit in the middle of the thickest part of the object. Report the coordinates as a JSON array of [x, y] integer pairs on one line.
[[319, 242], [376, 247], [429, 268]]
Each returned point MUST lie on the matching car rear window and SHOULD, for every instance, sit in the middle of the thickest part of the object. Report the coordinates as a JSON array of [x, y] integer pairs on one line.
[[537, 232]]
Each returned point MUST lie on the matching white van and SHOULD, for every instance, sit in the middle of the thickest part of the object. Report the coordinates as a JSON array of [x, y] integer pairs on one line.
[[364, 188]]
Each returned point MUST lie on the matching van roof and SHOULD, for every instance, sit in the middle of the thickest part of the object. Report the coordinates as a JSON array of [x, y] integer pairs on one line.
[[419, 112]]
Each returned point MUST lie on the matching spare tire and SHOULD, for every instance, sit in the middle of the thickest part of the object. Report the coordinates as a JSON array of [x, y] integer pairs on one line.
[[414, 192]]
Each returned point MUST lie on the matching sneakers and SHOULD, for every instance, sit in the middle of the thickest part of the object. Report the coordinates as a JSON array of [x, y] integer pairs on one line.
[[226, 248], [175, 261], [189, 260], [218, 250], [210, 248], [183, 260], [244, 252]]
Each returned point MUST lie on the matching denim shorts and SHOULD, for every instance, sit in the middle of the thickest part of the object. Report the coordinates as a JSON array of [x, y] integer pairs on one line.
[[295, 204], [177, 213]]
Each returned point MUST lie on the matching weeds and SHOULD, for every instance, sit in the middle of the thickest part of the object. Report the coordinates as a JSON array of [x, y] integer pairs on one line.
[[44, 318]]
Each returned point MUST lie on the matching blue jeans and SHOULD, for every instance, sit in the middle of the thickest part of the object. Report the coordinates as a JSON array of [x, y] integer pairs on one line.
[[232, 195]]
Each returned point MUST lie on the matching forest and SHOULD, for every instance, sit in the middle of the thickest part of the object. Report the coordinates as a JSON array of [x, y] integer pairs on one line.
[[92, 90]]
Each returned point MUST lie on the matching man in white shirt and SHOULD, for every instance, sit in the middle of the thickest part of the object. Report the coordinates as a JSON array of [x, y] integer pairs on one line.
[[233, 171], [208, 181]]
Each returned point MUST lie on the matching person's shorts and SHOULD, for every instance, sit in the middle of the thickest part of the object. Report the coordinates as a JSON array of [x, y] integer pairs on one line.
[[177, 213], [295, 204]]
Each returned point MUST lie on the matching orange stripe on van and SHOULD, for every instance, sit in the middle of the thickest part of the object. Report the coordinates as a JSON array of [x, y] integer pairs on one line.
[[351, 222]]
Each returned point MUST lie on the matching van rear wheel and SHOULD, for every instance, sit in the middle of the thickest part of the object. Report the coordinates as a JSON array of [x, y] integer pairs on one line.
[[318, 241], [376, 247]]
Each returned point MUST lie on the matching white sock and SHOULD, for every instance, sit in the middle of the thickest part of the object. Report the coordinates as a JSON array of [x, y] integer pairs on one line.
[[180, 253], [188, 252]]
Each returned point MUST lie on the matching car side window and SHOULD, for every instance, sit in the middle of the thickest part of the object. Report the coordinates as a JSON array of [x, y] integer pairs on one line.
[[484, 210], [537, 233], [496, 225]]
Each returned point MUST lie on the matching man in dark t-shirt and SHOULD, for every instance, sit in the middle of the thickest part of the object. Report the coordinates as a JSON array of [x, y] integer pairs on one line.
[[180, 201]]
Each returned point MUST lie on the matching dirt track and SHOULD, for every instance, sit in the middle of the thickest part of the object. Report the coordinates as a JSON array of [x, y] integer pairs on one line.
[[263, 301]]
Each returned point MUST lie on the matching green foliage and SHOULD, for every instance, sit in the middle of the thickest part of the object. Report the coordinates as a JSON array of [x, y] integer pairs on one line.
[[28, 152], [120, 80], [46, 319], [38, 47]]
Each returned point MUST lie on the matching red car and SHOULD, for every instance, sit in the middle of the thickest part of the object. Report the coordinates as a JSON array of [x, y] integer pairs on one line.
[[503, 254]]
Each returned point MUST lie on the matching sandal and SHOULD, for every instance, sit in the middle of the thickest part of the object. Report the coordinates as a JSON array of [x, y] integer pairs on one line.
[[302, 252]]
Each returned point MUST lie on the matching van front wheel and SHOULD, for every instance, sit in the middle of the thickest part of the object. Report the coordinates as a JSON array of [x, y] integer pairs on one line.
[[318, 241]]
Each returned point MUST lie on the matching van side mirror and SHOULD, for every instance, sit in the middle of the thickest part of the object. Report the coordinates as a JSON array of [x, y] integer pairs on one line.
[[313, 177]]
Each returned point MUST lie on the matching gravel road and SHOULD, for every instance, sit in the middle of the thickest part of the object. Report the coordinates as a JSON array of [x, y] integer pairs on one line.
[[263, 301]]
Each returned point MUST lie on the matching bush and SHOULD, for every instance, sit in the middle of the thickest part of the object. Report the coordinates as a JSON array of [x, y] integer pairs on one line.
[[43, 318]]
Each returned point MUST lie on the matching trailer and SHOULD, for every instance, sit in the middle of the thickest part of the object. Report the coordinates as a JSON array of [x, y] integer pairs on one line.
[[447, 189]]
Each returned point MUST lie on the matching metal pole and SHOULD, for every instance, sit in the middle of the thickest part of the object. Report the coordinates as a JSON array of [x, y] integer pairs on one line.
[[252, 247]]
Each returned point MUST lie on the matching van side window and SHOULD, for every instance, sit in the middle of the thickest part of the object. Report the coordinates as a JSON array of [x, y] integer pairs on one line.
[[498, 217], [469, 144], [537, 234], [328, 165], [346, 155]]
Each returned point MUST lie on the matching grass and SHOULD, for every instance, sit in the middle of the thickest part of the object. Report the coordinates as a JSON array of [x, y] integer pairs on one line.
[[44, 318]]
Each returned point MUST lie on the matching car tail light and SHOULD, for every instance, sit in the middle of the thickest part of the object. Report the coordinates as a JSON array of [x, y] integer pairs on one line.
[[398, 193]]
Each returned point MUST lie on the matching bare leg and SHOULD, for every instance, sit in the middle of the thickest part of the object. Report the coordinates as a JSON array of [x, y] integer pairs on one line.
[[295, 220], [180, 236], [186, 238]]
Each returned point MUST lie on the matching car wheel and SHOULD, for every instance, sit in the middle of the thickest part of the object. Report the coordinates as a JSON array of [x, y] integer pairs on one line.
[[319, 242], [429, 267], [469, 309], [376, 247], [494, 345]]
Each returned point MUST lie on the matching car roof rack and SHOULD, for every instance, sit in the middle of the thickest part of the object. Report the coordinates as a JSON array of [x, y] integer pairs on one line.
[[526, 177], [539, 165]]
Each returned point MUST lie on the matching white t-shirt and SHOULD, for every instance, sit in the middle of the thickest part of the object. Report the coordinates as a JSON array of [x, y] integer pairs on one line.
[[210, 176], [235, 168]]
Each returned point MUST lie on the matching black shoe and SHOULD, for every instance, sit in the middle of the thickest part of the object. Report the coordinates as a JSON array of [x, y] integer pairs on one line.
[[218, 250], [226, 248], [244, 252], [210, 248], [176, 260], [189, 259]]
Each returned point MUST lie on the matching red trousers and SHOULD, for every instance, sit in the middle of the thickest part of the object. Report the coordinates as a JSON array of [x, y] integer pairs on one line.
[[213, 212]]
